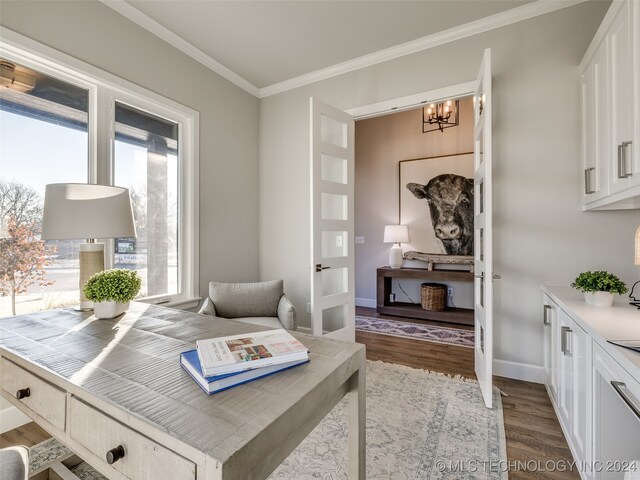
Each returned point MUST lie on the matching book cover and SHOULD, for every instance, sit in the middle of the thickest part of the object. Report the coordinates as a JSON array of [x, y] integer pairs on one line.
[[190, 362], [248, 351]]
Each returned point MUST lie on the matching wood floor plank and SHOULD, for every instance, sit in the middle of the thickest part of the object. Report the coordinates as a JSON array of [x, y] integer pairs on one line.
[[27, 435], [532, 431]]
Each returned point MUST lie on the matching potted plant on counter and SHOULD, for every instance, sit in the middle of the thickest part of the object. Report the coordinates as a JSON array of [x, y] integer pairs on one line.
[[111, 291], [599, 287]]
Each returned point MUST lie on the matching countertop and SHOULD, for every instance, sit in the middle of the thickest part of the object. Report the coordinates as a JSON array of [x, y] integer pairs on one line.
[[618, 322]]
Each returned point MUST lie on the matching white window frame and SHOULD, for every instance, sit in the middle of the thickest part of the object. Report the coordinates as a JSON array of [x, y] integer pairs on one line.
[[104, 90]]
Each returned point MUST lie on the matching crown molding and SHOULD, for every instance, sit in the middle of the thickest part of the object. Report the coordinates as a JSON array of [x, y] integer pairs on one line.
[[130, 12], [498, 20]]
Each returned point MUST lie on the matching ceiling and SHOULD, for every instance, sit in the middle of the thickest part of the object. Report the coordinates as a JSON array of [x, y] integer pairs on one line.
[[267, 42]]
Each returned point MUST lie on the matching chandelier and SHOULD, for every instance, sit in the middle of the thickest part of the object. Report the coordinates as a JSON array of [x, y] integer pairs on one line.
[[438, 116]]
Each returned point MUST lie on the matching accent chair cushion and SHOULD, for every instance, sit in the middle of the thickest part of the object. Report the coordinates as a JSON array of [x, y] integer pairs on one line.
[[14, 463], [233, 300]]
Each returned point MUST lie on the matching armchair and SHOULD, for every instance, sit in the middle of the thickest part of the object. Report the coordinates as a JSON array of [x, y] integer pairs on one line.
[[14, 463], [260, 303]]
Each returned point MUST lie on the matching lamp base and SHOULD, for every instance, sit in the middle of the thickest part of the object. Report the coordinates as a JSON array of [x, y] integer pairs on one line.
[[91, 262], [395, 256]]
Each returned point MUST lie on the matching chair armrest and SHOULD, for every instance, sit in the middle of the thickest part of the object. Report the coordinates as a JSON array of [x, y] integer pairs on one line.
[[208, 308], [287, 313]]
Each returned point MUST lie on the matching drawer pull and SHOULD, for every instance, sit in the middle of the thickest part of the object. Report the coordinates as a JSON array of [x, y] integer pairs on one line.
[[115, 454], [627, 396], [23, 393]]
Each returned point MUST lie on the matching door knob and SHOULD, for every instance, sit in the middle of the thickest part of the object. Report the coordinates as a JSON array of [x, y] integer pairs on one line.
[[319, 267]]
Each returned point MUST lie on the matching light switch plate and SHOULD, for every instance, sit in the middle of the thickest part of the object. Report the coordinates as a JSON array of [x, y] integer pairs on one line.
[[359, 240]]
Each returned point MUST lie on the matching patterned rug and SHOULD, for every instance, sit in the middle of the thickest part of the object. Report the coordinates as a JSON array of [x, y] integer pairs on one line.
[[420, 426], [430, 333]]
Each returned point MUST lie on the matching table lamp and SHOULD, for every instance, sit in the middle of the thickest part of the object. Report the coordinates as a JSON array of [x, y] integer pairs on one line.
[[82, 211], [396, 234]]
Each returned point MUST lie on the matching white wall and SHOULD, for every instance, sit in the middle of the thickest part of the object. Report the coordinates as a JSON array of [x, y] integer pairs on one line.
[[541, 236]]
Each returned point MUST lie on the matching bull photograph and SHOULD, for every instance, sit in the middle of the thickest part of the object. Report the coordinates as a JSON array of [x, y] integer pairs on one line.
[[436, 202]]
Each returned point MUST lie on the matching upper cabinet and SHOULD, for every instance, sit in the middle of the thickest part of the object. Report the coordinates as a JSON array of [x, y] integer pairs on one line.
[[610, 92]]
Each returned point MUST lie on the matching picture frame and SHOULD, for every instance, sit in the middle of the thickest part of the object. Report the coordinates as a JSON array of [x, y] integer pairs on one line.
[[449, 197]]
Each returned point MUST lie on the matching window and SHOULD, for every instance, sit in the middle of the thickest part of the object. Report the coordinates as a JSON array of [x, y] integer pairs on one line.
[[65, 121]]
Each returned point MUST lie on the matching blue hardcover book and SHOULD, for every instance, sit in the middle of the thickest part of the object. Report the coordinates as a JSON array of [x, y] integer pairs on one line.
[[191, 363]]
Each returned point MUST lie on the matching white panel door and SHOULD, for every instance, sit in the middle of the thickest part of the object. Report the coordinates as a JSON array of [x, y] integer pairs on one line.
[[483, 231], [332, 222]]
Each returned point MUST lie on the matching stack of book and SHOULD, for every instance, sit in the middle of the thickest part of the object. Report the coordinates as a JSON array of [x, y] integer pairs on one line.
[[221, 363]]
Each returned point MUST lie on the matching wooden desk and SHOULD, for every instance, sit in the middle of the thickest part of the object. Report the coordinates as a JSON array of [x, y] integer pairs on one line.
[[462, 316], [96, 384]]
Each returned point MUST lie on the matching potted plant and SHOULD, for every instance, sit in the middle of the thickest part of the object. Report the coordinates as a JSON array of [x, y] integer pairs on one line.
[[111, 291], [599, 287]]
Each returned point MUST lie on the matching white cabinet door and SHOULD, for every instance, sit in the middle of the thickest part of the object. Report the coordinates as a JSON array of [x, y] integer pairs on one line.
[[616, 417], [579, 348], [621, 164], [595, 125], [565, 378]]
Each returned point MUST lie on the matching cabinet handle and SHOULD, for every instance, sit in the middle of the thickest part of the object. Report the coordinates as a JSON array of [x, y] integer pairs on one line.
[[587, 181], [545, 317], [564, 342], [23, 393], [115, 454], [627, 396], [628, 159]]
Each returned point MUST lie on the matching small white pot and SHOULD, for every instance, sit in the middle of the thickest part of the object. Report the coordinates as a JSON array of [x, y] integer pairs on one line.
[[599, 299], [109, 309]]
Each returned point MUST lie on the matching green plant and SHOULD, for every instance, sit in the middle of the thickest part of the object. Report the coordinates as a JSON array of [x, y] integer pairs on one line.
[[599, 281], [116, 284]]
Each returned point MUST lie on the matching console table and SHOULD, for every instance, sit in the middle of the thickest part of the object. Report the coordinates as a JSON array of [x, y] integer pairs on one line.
[[114, 392], [385, 275]]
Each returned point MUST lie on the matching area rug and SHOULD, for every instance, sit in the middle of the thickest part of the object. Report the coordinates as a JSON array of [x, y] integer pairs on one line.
[[430, 333], [420, 426]]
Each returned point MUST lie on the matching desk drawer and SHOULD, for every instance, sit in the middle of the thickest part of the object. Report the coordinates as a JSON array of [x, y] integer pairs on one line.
[[41, 397], [143, 458]]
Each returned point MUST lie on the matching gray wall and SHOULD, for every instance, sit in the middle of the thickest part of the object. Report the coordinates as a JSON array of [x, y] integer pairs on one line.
[[381, 143], [541, 234], [98, 35]]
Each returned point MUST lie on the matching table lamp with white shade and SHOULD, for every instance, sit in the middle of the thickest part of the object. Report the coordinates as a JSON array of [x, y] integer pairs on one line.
[[396, 234], [82, 211]]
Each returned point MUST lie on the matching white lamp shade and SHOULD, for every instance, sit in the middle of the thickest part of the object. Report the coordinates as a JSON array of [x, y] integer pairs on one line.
[[396, 234], [78, 210]]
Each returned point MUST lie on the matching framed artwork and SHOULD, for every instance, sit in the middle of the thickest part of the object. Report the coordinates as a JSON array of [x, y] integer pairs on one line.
[[436, 203]]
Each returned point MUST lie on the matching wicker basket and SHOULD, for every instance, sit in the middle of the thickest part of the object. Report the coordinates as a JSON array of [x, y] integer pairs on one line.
[[434, 296]]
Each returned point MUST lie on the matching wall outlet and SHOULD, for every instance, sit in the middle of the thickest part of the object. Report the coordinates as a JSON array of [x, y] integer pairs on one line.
[[450, 295], [392, 297], [339, 241], [360, 240], [308, 307]]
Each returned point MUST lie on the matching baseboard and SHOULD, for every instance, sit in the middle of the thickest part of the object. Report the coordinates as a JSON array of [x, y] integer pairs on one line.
[[518, 371], [11, 418], [365, 302]]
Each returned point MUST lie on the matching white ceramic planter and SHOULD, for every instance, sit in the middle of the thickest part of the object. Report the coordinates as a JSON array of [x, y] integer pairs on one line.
[[599, 299], [109, 309]]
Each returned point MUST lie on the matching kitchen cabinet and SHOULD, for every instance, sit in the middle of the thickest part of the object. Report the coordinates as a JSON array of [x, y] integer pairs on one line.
[[610, 93], [593, 385]]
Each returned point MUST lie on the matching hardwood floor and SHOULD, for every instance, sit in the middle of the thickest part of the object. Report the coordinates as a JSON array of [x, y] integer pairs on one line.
[[533, 434], [532, 430]]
